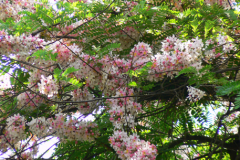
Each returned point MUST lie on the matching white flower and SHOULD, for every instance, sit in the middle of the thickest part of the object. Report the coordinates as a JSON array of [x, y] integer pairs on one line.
[[48, 86], [38, 126], [194, 94]]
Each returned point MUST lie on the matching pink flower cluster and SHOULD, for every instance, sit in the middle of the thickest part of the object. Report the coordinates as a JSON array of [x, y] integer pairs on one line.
[[104, 73], [30, 101], [131, 147], [19, 45], [84, 95], [67, 128], [48, 86], [123, 110], [176, 55], [224, 46], [35, 77], [15, 129], [39, 126], [13, 132], [10, 8], [64, 52], [108, 73], [140, 54]]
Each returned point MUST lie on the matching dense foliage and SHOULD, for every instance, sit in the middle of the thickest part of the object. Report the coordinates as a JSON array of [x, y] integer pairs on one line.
[[160, 79]]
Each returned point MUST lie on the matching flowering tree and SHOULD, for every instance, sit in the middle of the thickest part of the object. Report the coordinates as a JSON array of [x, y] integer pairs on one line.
[[160, 79]]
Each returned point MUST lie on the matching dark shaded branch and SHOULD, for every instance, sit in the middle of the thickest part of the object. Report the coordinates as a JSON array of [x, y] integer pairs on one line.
[[68, 37], [227, 69], [41, 30], [203, 139]]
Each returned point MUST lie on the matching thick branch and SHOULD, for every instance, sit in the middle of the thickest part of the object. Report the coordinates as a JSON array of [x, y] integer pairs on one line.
[[203, 139]]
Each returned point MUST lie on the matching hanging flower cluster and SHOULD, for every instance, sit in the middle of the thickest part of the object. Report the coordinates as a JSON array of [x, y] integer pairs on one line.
[[131, 147], [15, 129], [194, 94], [10, 8], [176, 55], [123, 110], [30, 101], [84, 95], [67, 128], [13, 132], [225, 46], [39, 126], [140, 54], [19, 45], [48, 86]]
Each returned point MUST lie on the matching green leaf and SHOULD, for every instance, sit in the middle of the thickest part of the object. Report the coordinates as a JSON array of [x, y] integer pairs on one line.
[[12, 80], [53, 107], [149, 64], [75, 82], [187, 70], [69, 70], [237, 102], [54, 56], [57, 73], [228, 88], [208, 26], [232, 14], [148, 87], [43, 54], [132, 84], [5, 69], [194, 25], [131, 73], [187, 12]]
